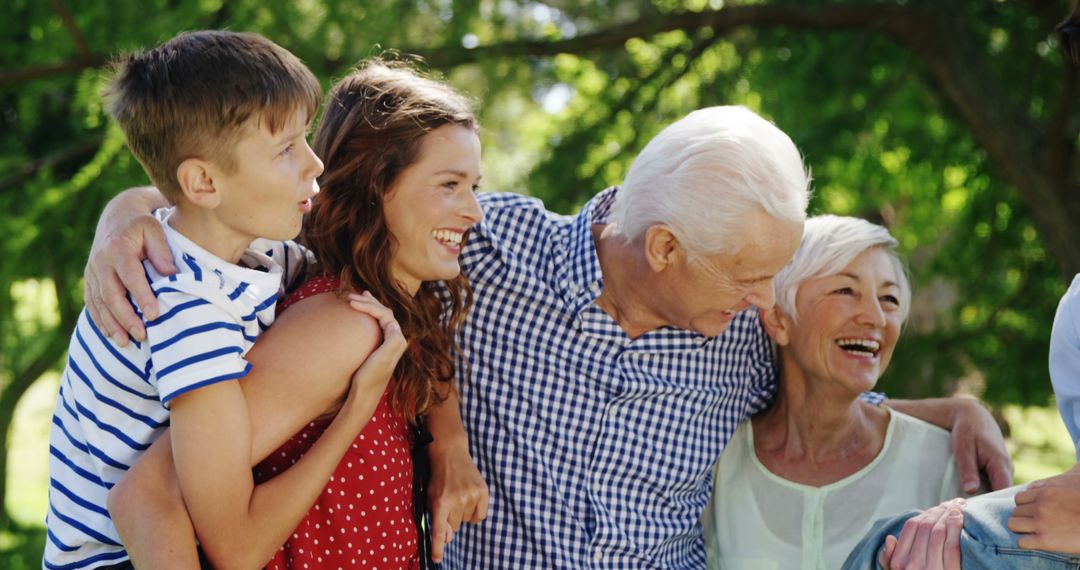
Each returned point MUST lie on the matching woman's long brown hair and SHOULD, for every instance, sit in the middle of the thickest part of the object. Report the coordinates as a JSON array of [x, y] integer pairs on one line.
[[372, 125]]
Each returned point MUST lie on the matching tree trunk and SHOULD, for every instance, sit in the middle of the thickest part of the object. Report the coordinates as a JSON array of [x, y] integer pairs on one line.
[[23, 379]]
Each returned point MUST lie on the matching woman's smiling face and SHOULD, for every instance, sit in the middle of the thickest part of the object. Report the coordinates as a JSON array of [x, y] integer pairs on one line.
[[848, 323], [431, 206]]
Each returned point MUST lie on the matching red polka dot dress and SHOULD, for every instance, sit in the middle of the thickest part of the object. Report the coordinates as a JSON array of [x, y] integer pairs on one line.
[[364, 517]]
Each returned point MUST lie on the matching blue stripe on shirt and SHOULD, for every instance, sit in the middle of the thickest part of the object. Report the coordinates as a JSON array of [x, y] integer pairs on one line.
[[78, 470], [150, 422], [103, 374], [269, 301], [178, 308], [104, 556], [86, 413], [112, 349], [84, 529], [166, 398], [196, 330], [195, 269], [81, 446], [53, 483], [238, 291], [208, 355]]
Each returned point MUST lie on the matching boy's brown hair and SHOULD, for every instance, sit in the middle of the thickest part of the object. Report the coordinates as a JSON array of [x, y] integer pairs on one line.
[[192, 96]]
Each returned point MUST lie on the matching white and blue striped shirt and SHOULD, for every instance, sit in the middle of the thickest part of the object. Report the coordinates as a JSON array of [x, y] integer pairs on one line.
[[114, 401], [597, 449]]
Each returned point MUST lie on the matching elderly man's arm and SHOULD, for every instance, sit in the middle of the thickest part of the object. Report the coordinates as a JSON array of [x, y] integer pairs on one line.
[[126, 234], [457, 492], [976, 438]]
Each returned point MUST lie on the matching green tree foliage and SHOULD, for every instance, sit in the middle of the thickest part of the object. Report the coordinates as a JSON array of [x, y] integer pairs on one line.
[[954, 122]]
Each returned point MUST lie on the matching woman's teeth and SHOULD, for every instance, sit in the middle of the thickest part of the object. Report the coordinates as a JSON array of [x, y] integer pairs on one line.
[[448, 237]]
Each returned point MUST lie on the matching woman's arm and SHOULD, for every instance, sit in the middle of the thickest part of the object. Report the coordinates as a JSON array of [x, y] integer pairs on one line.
[[214, 446]]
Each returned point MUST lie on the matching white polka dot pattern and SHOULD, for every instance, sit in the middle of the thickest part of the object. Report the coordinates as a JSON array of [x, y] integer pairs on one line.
[[363, 519]]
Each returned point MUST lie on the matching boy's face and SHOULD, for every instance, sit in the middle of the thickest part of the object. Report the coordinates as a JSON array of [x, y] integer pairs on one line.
[[270, 188]]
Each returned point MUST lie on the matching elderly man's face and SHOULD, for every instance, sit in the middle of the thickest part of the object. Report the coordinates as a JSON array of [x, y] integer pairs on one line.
[[709, 291], [848, 323]]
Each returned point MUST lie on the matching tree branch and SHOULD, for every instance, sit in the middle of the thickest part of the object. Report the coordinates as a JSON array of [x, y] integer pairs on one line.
[[50, 70], [936, 32], [81, 47], [873, 17], [83, 149]]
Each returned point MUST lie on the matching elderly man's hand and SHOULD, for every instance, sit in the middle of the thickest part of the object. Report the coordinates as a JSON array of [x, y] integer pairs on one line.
[[1047, 513], [979, 446], [928, 541], [126, 234]]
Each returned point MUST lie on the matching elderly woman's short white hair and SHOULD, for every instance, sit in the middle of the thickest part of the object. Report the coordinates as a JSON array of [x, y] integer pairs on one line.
[[704, 174], [829, 244]]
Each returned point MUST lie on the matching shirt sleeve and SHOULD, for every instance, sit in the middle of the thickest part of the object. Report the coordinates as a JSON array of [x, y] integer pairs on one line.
[[762, 370], [197, 340], [293, 258], [873, 398], [1065, 360]]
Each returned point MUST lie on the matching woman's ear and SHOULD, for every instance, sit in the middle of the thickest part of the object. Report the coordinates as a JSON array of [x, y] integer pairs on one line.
[[777, 325], [197, 184]]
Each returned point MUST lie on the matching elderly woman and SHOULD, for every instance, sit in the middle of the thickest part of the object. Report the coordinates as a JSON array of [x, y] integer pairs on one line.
[[802, 482]]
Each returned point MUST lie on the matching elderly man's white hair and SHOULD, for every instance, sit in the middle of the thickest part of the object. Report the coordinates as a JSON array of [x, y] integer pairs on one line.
[[702, 175], [829, 244]]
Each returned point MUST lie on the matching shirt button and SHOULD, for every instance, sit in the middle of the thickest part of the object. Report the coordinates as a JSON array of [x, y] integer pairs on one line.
[[598, 555]]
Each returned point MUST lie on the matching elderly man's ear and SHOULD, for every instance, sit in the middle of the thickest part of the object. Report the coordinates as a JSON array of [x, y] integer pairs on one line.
[[662, 248], [777, 325]]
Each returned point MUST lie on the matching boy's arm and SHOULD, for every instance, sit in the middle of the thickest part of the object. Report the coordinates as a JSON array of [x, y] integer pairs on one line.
[[457, 492], [976, 437], [241, 525], [126, 234]]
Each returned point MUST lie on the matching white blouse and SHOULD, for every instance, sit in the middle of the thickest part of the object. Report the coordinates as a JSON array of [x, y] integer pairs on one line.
[[760, 521]]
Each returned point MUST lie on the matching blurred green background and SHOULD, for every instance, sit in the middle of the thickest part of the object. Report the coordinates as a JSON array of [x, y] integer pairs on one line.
[[953, 122]]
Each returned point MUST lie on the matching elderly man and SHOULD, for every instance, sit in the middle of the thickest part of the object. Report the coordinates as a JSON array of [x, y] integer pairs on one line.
[[609, 355]]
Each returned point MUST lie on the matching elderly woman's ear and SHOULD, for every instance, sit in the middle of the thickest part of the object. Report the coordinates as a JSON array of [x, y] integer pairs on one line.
[[777, 325]]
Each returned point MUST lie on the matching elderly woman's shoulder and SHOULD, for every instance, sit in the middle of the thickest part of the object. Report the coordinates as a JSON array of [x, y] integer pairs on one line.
[[903, 425]]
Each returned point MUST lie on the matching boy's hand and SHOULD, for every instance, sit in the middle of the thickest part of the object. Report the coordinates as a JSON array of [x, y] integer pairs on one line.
[[457, 493], [929, 541], [1047, 513], [126, 234]]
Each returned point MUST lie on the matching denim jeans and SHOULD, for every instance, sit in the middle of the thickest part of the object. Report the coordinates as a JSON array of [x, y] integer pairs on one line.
[[986, 542]]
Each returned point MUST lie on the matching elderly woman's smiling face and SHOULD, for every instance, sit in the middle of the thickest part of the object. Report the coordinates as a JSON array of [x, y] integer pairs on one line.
[[848, 323]]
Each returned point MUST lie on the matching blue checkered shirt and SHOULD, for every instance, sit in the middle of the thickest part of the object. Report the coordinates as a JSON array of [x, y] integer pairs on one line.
[[597, 449]]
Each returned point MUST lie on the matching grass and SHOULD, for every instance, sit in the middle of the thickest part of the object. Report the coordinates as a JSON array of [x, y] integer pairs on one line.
[[1039, 444]]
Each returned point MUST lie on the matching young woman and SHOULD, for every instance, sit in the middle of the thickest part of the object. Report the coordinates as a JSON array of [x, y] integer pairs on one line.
[[391, 216], [396, 201]]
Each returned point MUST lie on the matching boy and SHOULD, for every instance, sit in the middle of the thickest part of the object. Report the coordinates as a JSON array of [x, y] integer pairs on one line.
[[219, 122]]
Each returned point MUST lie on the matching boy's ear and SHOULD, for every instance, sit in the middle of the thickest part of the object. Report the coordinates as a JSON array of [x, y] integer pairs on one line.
[[661, 247], [197, 183], [777, 325]]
